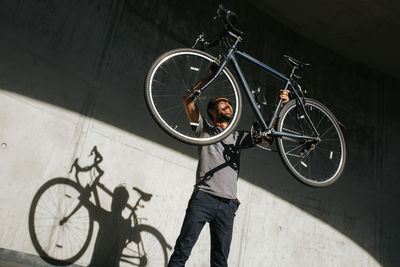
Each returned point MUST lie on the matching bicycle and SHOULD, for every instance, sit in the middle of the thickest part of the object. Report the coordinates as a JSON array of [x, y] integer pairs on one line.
[[308, 136], [61, 225]]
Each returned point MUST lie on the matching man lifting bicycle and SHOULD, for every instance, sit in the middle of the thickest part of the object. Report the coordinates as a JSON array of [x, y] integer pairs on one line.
[[214, 196]]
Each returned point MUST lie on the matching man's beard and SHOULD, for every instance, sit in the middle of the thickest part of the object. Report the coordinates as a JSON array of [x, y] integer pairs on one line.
[[222, 118]]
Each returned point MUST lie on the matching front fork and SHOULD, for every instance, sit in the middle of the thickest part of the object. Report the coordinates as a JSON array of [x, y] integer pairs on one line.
[[196, 93]]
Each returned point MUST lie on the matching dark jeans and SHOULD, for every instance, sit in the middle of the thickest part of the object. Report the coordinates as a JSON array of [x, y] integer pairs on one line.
[[219, 213]]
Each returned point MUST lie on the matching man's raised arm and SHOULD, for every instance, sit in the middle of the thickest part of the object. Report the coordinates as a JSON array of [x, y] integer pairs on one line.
[[192, 112]]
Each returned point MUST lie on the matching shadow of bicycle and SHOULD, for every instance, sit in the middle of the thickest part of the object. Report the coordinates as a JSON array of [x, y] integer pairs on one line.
[[63, 212]]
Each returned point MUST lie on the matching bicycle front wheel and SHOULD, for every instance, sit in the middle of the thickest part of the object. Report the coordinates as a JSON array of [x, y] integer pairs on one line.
[[173, 75], [315, 164], [59, 242], [148, 249]]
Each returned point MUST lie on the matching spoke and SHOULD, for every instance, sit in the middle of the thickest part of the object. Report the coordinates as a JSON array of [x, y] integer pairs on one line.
[[328, 150], [316, 127], [170, 108], [294, 148], [312, 111], [308, 123], [169, 95], [48, 200], [76, 234], [40, 215], [298, 162], [331, 139], [56, 242], [131, 250], [50, 203], [209, 97], [167, 72], [309, 168], [327, 131], [166, 86], [155, 244], [201, 63], [293, 155], [180, 74], [46, 210], [223, 80], [45, 230], [70, 245]]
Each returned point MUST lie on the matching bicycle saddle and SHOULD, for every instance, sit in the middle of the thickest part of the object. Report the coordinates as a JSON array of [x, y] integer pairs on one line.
[[294, 62], [143, 195]]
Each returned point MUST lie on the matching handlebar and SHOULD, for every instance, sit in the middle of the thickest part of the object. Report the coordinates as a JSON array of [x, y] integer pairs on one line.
[[230, 19], [97, 159]]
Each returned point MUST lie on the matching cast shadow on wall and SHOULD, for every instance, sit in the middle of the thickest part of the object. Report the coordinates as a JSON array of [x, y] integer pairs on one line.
[[61, 221], [53, 62]]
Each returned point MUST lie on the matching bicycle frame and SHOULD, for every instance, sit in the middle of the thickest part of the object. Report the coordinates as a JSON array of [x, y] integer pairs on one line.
[[89, 189], [188, 72], [268, 128]]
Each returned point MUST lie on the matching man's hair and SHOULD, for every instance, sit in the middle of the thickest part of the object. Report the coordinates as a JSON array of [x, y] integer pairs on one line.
[[213, 104]]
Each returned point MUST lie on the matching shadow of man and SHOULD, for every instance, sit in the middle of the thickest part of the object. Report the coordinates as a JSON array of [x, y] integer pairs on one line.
[[114, 230]]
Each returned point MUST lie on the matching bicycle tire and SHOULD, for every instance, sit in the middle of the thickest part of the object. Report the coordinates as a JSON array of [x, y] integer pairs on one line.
[[55, 243], [319, 165], [171, 76], [154, 252]]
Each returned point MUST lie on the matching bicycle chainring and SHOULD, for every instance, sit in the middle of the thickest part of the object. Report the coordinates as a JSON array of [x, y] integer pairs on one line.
[[257, 134]]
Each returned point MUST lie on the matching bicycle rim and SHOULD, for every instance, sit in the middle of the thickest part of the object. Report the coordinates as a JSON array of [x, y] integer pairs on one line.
[[150, 250], [171, 77], [320, 164], [59, 244]]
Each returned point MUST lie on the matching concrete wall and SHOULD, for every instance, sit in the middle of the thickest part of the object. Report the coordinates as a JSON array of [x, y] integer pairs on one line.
[[71, 77]]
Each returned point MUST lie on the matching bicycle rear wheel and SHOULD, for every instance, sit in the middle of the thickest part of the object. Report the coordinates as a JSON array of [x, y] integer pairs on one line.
[[174, 74], [315, 164], [59, 243], [150, 248]]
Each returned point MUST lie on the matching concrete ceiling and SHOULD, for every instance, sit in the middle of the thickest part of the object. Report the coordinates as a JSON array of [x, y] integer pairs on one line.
[[364, 31]]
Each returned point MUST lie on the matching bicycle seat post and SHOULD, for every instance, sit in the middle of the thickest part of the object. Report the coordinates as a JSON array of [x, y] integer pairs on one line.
[[292, 73]]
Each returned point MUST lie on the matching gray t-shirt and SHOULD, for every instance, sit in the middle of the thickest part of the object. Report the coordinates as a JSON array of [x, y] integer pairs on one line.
[[219, 163]]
